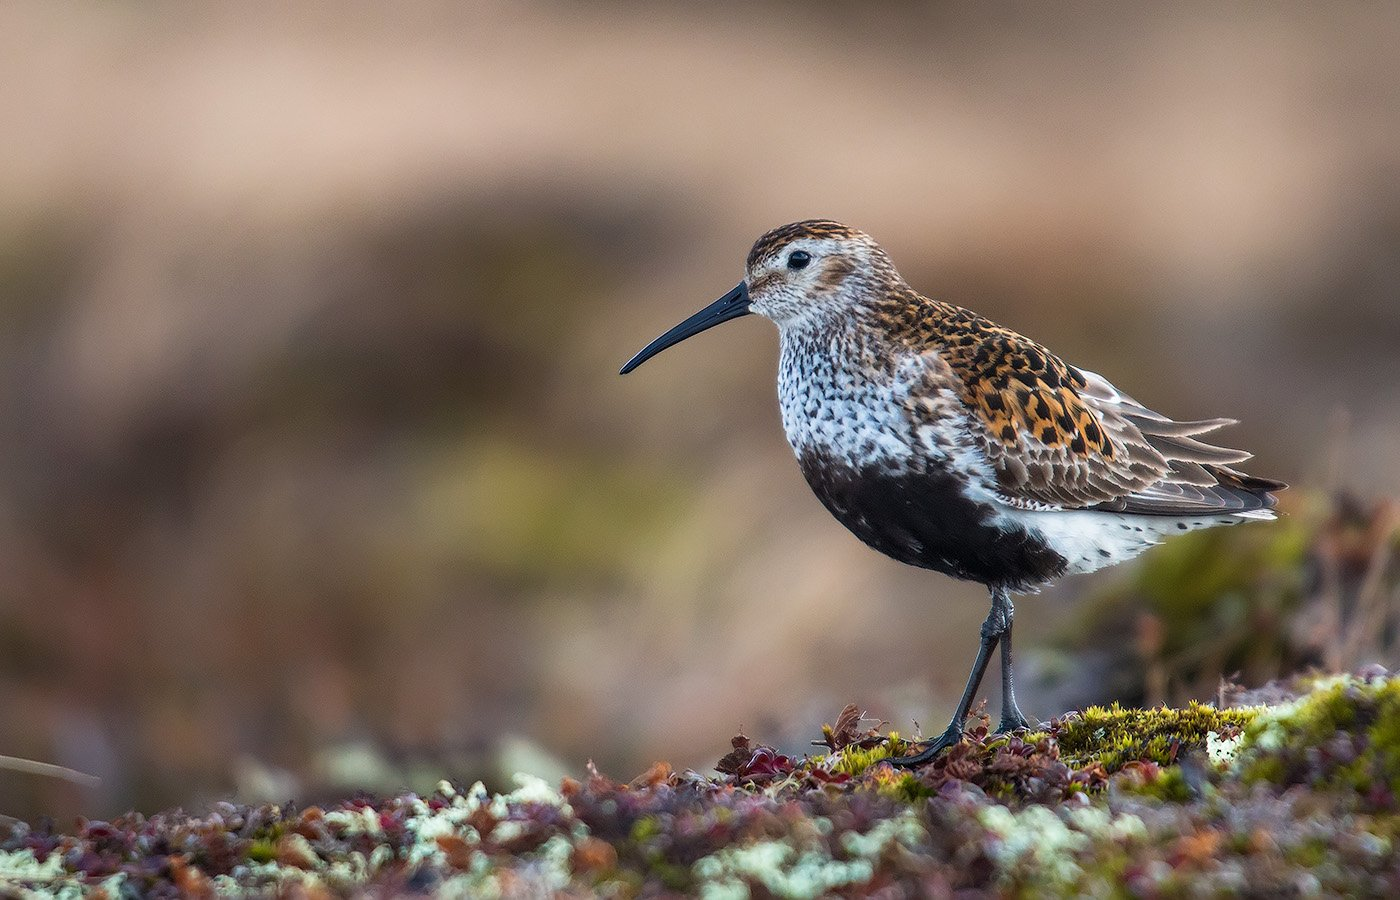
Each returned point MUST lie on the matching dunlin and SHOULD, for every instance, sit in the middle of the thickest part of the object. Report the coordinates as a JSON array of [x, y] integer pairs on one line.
[[948, 442]]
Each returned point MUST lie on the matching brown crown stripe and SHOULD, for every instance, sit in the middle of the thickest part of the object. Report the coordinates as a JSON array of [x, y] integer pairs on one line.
[[812, 228]]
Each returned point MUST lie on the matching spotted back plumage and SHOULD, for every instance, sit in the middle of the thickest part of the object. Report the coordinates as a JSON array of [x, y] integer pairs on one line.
[[1056, 435]]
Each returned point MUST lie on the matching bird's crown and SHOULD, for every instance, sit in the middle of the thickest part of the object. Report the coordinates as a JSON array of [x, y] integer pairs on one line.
[[774, 241]]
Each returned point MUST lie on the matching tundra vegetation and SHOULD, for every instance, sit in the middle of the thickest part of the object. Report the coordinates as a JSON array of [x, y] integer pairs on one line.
[[1297, 795], [1291, 787]]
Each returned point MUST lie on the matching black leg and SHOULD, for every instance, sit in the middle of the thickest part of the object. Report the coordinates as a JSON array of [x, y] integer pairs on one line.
[[1011, 717], [993, 628]]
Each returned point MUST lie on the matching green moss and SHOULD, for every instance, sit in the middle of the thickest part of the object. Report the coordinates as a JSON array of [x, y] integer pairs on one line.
[[1344, 735], [1114, 736], [523, 511], [262, 851], [1074, 756], [910, 789], [854, 760], [644, 829], [888, 781], [1167, 785], [1309, 854]]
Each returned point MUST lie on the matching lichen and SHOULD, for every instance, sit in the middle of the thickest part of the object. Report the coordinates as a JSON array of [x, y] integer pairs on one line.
[[1221, 750], [781, 869]]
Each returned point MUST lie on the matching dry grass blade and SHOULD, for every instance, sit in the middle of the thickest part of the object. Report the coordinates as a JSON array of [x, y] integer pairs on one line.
[[48, 770]]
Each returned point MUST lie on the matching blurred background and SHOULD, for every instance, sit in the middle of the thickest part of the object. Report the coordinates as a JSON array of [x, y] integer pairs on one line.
[[316, 473]]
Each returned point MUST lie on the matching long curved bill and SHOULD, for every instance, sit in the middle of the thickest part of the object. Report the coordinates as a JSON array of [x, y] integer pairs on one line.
[[731, 306]]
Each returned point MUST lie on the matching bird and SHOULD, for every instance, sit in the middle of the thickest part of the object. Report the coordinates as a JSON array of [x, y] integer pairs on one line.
[[948, 442]]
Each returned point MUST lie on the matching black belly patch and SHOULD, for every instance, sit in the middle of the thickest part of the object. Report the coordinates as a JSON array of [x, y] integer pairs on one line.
[[925, 519]]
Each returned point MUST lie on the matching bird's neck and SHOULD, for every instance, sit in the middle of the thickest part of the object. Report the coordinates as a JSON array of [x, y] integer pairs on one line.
[[906, 319], [833, 344], [873, 331]]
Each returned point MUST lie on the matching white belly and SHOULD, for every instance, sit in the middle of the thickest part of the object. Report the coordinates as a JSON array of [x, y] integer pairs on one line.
[[1090, 540]]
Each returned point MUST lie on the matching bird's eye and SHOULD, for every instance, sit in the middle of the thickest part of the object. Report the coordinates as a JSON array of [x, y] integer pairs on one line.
[[798, 259]]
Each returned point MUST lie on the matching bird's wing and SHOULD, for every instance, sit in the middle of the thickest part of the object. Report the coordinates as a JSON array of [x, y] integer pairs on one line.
[[1059, 436], [1199, 476]]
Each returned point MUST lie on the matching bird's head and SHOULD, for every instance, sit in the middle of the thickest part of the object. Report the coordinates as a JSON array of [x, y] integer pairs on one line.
[[798, 274], [810, 270]]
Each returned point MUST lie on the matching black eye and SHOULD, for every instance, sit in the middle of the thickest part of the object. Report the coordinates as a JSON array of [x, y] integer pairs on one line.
[[798, 259]]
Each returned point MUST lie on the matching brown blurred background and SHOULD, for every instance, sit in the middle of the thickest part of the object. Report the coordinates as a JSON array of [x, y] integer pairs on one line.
[[315, 469]]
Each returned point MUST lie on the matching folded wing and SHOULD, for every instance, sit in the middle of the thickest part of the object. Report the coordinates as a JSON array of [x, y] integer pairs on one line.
[[1059, 436]]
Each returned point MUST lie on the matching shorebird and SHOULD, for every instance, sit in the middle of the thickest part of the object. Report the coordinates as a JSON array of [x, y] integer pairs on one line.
[[948, 442]]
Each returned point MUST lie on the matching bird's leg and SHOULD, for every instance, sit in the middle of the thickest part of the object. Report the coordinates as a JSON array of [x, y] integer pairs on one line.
[[997, 623], [1011, 716]]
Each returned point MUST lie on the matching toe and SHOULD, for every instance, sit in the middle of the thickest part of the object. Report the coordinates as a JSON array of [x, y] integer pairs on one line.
[[931, 750]]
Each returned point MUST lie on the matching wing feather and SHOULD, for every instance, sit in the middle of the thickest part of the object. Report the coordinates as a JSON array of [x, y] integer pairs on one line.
[[1064, 437]]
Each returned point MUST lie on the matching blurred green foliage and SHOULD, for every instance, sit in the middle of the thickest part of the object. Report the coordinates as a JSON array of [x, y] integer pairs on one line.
[[526, 514]]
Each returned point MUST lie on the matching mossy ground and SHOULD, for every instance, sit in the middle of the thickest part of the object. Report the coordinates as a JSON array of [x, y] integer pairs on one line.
[[1298, 797]]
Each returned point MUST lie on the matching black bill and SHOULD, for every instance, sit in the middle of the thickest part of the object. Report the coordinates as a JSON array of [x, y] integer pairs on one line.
[[731, 306]]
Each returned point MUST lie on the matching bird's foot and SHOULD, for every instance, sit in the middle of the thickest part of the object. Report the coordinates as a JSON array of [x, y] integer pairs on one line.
[[1012, 720], [948, 738]]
